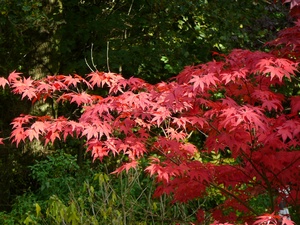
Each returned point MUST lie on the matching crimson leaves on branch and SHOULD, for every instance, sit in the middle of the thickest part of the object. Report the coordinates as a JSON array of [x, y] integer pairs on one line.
[[240, 105]]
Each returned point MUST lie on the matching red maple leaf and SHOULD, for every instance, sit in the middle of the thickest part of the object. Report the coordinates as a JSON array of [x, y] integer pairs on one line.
[[51, 136], [69, 80], [21, 120], [270, 101], [200, 82], [175, 134], [43, 87], [14, 76], [289, 129], [81, 98], [29, 93], [96, 78], [277, 67], [99, 151], [267, 219], [137, 84], [286, 221], [295, 104], [18, 135], [160, 115], [31, 134], [39, 127], [3, 82], [127, 166]]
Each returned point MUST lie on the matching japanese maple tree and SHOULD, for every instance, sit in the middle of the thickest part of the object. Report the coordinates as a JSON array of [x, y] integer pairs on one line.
[[244, 105]]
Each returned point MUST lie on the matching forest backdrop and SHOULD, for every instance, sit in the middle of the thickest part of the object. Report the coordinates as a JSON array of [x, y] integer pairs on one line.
[[151, 40]]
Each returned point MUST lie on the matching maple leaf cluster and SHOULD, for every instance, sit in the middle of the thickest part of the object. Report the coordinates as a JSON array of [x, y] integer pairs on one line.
[[235, 105]]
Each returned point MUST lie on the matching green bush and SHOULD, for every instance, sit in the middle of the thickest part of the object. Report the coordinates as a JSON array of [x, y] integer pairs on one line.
[[68, 194]]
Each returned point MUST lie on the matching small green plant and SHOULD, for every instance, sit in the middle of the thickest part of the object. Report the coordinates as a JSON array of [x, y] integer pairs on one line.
[[55, 174]]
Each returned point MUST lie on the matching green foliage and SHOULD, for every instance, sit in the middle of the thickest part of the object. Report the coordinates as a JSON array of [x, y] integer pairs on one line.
[[55, 174], [69, 195], [25, 25]]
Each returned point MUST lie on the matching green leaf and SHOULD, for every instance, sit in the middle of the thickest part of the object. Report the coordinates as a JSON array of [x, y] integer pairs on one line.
[[38, 209]]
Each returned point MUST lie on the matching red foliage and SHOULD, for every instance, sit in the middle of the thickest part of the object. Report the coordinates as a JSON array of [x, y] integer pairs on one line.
[[273, 219], [236, 105]]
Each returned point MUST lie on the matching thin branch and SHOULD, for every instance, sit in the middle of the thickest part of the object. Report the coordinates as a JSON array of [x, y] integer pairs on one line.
[[92, 58], [235, 197], [264, 177], [107, 56], [86, 62]]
